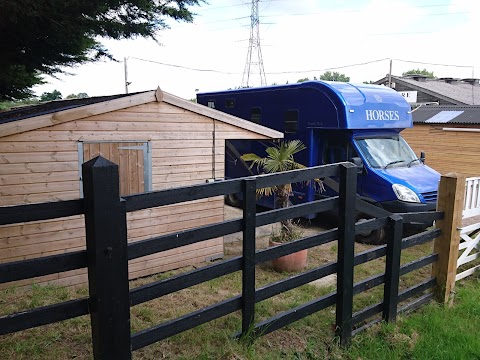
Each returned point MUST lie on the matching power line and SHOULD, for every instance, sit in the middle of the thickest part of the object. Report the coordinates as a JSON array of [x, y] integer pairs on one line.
[[185, 67], [327, 69], [269, 1], [434, 64], [337, 11], [355, 11], [301, 71]]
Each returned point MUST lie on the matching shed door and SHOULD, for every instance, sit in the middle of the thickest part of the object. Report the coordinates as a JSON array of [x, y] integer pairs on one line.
[[130, 158]]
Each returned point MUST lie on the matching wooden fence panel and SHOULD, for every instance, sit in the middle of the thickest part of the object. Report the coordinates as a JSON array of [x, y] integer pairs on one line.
[[106, 230], [346, 251], [392, 267], [451, 194], [107, 258], [248, 267]]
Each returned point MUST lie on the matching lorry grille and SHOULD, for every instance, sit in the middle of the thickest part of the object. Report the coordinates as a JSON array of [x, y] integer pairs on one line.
[[430, 196]]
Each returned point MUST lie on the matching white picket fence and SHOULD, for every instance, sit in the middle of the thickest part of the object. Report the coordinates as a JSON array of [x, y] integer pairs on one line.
[[469, 248], [472, 197]]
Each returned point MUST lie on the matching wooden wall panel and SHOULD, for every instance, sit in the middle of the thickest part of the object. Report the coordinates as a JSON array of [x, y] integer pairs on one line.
[[42, 165], [446, 151]]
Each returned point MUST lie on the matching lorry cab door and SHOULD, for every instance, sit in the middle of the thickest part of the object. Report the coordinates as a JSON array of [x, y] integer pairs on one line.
[[338, 148]]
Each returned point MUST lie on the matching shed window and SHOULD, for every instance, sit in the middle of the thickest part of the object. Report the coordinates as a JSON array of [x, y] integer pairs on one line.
[[256, 115], [291, 122], [211, 104], [134, 162]]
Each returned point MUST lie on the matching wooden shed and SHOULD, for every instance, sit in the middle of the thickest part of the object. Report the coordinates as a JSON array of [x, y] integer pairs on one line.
[[450, 137], [160, 141]]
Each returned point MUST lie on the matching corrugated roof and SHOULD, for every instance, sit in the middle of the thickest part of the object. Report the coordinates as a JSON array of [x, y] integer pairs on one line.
[[447, 114], [460, 93], [25, 112]]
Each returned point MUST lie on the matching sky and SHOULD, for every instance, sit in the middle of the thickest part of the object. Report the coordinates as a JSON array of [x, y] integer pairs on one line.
[[298, 39]]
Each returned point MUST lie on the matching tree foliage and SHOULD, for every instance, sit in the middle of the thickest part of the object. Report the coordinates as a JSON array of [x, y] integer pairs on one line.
[[328, 76], [279, 158], [334, 76], [41, 37], [50, 96], [81, 95], [8, 105], [428, 74], [303, 80]]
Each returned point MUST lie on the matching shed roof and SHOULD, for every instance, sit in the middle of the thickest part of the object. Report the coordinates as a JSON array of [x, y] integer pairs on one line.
[[447, 114], [459, 93], [56, 112], [25, 112]]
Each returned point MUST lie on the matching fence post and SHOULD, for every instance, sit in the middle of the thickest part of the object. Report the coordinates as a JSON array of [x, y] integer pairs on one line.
[[392, 267], [451, 196], [105, 225], [346, 251], [248, 266]]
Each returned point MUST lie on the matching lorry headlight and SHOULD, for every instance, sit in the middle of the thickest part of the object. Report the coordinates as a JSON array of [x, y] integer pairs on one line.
[[405, 194]]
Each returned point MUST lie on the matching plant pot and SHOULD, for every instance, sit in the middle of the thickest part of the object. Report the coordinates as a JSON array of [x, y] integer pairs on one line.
[[291, 262]]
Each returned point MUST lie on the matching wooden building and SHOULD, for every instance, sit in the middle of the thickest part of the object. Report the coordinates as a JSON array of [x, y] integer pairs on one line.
[[450, 137], [160, 141]]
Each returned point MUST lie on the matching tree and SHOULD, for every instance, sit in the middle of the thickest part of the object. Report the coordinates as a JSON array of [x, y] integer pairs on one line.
[[303, 80], [41, 37], [428, 74], [81, 95], [50, 96], [306, 79], [279, 158], [7, 105], [16, 80], [334, 76]]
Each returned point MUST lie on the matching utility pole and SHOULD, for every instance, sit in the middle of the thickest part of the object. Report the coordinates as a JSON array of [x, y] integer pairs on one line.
[[126, 74], [390, 75], [254, 61]]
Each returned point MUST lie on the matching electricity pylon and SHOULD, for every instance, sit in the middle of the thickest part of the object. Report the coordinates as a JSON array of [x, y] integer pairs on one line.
[[254, 73]]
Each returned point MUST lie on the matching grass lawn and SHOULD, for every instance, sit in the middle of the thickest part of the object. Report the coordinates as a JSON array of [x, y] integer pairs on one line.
[[433, 332]]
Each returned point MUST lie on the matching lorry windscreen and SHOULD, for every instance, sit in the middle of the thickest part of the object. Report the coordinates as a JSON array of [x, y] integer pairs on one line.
[[384, 152]]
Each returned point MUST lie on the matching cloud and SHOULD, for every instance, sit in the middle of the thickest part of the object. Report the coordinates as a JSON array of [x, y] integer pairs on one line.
[[301, 35]]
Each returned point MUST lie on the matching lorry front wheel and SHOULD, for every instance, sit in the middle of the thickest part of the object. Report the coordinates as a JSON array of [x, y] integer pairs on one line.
[[232, 200], [370, 237]]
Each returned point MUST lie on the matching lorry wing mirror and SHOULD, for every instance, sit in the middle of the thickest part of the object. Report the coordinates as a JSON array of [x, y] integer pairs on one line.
[[422, 156], [358, 163]]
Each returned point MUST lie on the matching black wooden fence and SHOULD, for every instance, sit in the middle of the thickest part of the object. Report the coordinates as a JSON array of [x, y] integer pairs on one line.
[[107, 255]]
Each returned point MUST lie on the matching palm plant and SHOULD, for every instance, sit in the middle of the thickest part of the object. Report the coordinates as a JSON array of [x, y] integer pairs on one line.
[[279, 158]]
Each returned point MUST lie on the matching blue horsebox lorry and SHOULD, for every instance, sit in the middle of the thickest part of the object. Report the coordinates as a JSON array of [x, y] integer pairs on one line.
[[337, 122]]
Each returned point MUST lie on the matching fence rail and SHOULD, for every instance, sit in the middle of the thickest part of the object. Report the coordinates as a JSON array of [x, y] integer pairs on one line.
[[107, 258], [470, 244]]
